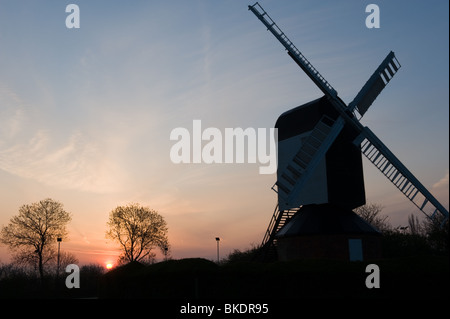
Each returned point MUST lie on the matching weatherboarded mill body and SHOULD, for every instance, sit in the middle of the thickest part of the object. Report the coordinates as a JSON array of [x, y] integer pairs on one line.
[[325, 226]]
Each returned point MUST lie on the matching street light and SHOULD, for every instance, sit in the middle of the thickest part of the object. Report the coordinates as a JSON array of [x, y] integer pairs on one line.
[[59, 239], [218, 240]]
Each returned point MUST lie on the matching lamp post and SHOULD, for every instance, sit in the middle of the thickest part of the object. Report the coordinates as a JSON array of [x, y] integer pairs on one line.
[[217, 240], [59, 239]]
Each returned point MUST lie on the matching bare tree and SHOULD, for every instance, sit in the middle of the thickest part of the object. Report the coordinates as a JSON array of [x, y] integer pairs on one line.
[[371, 213], [32, 234], [138, 230], [436, 230], [415, 227], [65, 259]]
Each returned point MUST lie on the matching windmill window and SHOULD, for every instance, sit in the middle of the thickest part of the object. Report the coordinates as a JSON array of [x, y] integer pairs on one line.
[[355, 249]]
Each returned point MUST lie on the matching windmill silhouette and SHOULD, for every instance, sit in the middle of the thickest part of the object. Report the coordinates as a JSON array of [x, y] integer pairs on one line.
[[320, 146]]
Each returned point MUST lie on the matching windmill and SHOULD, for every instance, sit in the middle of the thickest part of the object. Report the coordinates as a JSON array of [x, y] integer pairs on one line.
[[307, 149]]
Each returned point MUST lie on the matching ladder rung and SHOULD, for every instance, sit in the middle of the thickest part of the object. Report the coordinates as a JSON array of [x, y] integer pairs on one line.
[[282, 187], [327, 122], [296, 173], [409, 190], [386, 77], [388, 169], [300, 163], [303, 157], [402, 182], [365, 147], [394, 66], [309, 149], [424, 203], [434, 213], [381, 163], [318, 135], [391, 171], [371, 153], [407, 183], [322, 128], [385, 166], [397, 174], [398, 182], [364, 142], [412, 197], [390, 71], [376, 157], [382, 158], [288, 178], [314, 142]]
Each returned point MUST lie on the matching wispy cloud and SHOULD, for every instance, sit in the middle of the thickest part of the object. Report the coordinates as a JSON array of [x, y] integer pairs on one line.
[[11, 113], [440, 190], [442, 183], [76, 164], [73, 162]]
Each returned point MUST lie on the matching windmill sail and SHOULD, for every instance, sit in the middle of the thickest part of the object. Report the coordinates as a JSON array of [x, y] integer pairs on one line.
[[376, 83], [295, 53], [398, 174]]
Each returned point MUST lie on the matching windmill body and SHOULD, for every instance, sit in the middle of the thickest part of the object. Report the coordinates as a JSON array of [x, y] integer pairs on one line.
[[338, 178], [320, 147]]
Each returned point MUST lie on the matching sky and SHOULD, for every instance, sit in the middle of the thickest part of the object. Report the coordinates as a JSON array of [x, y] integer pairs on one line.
[[86, 113]]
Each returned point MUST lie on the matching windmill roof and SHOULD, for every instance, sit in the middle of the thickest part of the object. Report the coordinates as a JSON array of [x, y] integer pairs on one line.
[[303, 118], [326, 219]]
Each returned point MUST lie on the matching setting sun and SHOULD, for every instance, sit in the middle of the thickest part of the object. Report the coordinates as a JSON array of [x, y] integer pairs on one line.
[[109, 266]]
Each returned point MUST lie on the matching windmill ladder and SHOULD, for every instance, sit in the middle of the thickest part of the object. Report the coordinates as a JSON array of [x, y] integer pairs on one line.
[[278, 220]]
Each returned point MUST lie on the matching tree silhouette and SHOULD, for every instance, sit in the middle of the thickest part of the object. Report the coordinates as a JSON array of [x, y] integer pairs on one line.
[[436, 230], [138, 230], [371, 213], [32, 234]]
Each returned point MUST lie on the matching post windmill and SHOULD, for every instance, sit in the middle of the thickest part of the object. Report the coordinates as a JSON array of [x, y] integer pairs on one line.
[[314, 155]]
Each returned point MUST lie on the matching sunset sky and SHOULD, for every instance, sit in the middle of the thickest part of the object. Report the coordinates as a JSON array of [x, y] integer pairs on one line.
[[86, 114]]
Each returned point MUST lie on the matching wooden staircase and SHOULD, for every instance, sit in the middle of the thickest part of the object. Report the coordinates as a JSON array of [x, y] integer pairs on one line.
[[277, 222]]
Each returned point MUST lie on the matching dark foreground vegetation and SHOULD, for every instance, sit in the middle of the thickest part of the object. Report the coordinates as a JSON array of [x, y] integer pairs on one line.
[[411, 268], [18, 282], [403, 278]]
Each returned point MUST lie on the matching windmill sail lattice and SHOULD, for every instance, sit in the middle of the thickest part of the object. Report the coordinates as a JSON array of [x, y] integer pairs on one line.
[[376, 83], [391, 167], [309, 69]]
